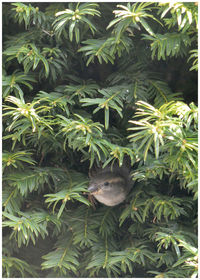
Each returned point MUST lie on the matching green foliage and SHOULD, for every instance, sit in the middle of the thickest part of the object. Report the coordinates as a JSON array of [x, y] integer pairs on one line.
[[97, 48], [71, 193], [11, 83], [194, 54], [14, 266], [112, 98], [84, 233], [188, 260], [28, 225], [83, 133], [81, 89], [29, 55], [137, 253], [182, 14], [76, 17], [64, 258], [29, 181], [169, 44], [56, 61], [161, 131], [88, 85], [16, 159], [27, 14], [11, 199], [132, 15], [145, 204], [54, 99]]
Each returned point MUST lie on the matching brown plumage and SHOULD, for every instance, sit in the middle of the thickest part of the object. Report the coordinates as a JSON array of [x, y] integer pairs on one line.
[[110, 185]]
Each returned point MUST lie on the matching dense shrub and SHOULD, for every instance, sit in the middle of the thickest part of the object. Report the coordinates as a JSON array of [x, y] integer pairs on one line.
[[88, 84]]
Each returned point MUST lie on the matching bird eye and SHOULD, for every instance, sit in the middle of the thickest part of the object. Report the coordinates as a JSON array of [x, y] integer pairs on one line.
[[106, 184]]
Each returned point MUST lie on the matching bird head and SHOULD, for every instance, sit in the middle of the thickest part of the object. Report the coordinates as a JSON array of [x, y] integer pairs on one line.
[[110, 186]]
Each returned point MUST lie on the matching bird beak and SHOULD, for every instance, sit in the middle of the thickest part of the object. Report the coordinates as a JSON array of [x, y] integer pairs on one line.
[[93, 189]]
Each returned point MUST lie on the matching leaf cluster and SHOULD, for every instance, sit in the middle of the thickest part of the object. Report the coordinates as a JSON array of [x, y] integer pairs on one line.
[[170, 128]]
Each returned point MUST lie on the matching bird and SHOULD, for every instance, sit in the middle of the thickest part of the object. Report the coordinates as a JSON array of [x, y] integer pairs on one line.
[[110, 185]]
